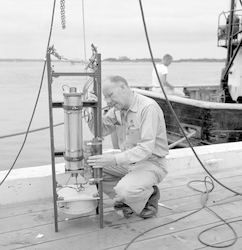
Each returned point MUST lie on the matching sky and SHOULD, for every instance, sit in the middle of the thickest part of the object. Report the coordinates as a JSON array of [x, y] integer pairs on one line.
[[183, 28]]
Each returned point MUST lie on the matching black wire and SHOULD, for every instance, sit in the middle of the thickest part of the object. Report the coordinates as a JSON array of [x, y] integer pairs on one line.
[[205, 206], [43, 128], [161, 226], [204, 196], [172, 110], [226, 223], [191, 146], [196, 211], [37, 99], [30, 131]]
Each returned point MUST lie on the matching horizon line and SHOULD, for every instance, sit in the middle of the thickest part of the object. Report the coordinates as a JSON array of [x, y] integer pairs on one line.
[[110, 58]]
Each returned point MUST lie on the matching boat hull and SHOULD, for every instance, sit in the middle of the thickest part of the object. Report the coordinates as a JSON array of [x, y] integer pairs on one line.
[[214, 122]]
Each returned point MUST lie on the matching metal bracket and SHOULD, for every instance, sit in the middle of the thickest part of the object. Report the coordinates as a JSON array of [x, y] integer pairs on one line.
[[73, 108], [74, 159]]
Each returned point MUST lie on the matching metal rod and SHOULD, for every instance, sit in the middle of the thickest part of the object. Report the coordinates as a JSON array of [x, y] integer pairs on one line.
[[99, 90], [95, 109], [230, 25], [181, 140], [230, 63], [52, 141], [99, 134], [97, 177], [165, 206], [91, 74], [85, 104], [100, 190]]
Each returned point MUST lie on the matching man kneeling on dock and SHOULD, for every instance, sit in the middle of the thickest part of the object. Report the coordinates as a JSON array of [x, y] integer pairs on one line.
[[131, 176]]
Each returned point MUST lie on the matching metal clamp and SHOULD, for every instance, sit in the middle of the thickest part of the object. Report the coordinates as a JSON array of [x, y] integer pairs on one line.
[[73, 159], [73, 108]]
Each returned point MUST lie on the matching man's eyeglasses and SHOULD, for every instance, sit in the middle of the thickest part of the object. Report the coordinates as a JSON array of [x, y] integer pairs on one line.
[[108, 96]]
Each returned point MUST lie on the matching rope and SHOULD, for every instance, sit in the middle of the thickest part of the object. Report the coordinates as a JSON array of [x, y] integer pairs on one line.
[[84, 35], [30, 131], [37, 99], [172, 110], [203, 200], [43, 128]]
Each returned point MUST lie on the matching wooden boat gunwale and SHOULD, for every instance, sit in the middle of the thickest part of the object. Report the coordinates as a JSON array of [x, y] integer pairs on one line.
[[193, 102]]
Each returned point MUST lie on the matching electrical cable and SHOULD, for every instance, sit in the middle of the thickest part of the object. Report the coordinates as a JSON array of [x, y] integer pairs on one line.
[[172, 110], [224, 222], [42, 128], [84, 32], [37, 99], [228, 224], [207, 191], [204, 199], [196, 211], [79, 186], [30, 131], [191, 146]]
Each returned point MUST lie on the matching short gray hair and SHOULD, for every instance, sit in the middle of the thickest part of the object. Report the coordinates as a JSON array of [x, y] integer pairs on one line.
[[117, 79]]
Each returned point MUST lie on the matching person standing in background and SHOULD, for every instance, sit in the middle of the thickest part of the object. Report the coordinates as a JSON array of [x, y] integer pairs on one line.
[[162, 69]]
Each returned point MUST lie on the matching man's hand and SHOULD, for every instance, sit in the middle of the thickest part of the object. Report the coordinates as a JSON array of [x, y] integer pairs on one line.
[[104, 160], [171, 87]]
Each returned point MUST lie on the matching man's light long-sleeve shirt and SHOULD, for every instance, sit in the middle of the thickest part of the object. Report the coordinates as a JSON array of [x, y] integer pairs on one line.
[[141, 130]]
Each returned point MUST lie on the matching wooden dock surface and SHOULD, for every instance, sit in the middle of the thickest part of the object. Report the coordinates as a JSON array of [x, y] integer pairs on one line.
[[21, 224]]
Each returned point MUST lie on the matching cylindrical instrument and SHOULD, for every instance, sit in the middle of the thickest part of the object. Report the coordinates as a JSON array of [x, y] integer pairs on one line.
[[93, 147], [73, 129], [97, 150], [87, 152]]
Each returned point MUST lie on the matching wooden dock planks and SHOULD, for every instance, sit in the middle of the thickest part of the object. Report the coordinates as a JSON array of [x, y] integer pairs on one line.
[[20, 224]]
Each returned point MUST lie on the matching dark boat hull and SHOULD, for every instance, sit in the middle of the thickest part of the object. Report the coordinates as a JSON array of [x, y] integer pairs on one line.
[[214, 122]]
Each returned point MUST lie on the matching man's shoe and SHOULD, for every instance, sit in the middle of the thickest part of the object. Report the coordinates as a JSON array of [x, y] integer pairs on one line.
[[118, 205], [151, 207], [148, 212], [127, 212]]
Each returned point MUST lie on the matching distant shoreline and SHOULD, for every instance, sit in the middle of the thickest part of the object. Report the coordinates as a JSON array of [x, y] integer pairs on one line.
[[116, 60], [159, 60]]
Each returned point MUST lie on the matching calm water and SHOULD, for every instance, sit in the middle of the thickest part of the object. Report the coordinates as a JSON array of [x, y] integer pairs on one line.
[[19, 83]]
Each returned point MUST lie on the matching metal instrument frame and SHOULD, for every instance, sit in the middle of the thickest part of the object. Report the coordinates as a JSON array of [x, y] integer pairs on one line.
[[97, 116]]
